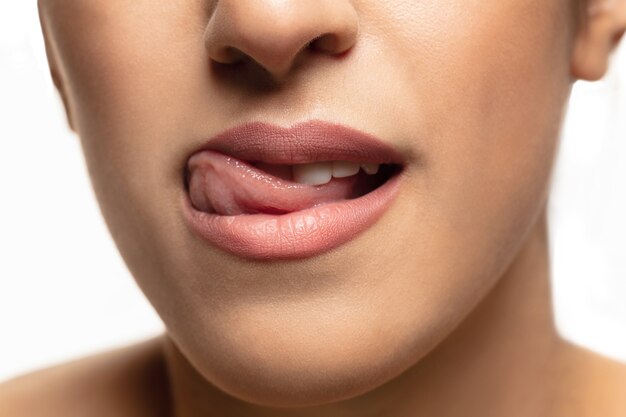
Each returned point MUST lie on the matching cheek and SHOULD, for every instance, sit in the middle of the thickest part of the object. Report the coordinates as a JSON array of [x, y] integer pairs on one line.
[[134, 74], [482, 95], [130, 73], [488, 93], [505, 98]]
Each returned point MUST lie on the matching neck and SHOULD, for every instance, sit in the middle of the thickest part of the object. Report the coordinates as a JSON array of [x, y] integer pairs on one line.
[[500, 361]]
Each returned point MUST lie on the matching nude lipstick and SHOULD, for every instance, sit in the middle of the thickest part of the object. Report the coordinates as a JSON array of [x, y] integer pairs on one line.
[[265, 192]]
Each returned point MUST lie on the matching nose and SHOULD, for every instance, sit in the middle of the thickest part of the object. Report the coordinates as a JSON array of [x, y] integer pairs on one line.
[[274, 33]]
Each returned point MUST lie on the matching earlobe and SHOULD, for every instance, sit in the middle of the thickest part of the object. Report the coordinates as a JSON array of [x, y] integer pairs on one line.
[[597, 37]]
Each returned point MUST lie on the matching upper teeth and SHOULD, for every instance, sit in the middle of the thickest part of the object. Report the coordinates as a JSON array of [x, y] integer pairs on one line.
[[370, 168], [318, 173]]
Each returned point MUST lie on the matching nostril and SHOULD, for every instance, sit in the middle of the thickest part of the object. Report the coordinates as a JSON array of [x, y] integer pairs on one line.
[[327, 43], [273, 33], [229, 55]]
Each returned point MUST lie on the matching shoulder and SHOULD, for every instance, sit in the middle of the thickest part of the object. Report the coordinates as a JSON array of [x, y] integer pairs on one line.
[[130, 381], [608, 384], [596, 384]]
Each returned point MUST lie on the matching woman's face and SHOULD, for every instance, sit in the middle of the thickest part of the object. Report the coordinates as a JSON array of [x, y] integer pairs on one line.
[[469, 93]]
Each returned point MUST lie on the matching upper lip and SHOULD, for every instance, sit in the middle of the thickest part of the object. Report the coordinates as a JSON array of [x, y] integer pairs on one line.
[[305, 142]]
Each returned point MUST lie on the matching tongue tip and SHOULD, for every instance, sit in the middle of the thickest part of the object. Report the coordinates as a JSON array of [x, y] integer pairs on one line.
[[224, 185]]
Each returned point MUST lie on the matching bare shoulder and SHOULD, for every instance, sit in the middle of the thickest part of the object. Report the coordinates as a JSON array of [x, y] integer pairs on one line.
[[610, 386], [130, 381], [597, 384]]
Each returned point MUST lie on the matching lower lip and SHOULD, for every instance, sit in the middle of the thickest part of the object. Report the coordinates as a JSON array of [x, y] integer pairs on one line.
[[297, 235]]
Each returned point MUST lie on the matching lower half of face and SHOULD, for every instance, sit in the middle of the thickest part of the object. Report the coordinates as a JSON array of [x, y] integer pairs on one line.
[[469, 93]]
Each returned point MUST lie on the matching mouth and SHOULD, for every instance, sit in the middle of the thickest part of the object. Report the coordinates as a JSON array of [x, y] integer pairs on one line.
[[265, 192]]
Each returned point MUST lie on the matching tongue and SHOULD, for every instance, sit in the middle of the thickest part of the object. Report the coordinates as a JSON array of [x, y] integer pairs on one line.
[[228, 186]]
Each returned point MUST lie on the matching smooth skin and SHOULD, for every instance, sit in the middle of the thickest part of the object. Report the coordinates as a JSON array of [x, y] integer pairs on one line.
[[441, 309]]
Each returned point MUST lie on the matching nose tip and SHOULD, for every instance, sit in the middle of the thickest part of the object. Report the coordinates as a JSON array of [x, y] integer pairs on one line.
[[273, 33]]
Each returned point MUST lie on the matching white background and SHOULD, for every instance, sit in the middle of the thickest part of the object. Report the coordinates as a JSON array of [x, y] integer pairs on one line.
[[64, 291]]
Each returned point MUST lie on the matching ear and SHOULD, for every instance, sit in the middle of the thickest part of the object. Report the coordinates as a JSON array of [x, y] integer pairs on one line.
[[597, 37], [53, 64]]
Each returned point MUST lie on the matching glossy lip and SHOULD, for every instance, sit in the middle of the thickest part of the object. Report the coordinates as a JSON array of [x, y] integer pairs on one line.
[[303, 233]]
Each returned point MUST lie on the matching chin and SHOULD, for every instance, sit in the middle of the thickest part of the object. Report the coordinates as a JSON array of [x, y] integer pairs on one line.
[[306, 371], [307, 354]]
